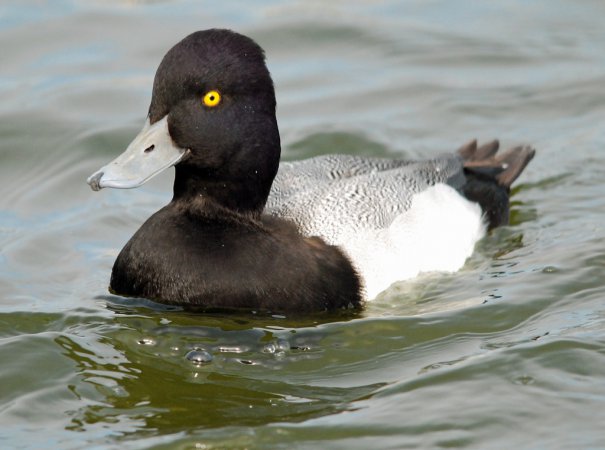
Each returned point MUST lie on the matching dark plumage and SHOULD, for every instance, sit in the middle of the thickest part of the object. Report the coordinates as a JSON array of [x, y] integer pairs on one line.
[[201, 254], [489, 177]]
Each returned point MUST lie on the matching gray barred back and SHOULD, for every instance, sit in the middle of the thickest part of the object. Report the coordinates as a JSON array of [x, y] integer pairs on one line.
[[335, 195]]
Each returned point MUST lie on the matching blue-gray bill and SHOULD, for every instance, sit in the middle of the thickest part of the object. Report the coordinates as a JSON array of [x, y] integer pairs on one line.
[[151, 151]]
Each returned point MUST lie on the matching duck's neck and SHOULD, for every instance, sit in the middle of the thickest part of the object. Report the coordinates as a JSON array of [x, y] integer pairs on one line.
[[246, 194]]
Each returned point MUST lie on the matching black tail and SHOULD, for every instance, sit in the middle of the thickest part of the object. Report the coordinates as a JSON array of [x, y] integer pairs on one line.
[[489, 176]]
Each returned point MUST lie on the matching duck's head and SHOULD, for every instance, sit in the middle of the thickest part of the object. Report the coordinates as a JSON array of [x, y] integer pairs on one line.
[[212, 115]]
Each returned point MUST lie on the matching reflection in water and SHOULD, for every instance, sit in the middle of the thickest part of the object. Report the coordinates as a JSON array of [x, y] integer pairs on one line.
[[139, 376]]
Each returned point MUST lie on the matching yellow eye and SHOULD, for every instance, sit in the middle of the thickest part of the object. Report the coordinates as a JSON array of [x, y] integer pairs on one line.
[[212, 98]]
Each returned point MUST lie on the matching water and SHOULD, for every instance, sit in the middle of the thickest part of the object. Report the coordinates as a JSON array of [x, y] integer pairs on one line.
[[507, 353]]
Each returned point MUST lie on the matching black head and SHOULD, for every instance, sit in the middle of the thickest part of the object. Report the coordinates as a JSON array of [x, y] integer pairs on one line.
[[218, 97]]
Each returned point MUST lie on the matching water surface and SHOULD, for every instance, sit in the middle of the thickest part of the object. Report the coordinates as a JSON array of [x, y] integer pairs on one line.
[[507, 353]]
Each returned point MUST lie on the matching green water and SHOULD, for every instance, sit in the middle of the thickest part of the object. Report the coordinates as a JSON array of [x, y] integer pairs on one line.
[[507, 353]]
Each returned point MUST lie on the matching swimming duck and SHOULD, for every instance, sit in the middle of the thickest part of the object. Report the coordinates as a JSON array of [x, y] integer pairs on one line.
[[319, 234]]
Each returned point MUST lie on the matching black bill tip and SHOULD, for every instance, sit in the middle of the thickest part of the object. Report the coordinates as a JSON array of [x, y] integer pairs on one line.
[[94, 181]]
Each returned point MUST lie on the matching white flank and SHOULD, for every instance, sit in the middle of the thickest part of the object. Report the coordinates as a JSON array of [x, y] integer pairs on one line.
[[438, 233]]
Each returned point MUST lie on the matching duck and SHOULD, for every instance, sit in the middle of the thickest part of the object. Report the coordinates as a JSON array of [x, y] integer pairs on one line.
[[246, 232]]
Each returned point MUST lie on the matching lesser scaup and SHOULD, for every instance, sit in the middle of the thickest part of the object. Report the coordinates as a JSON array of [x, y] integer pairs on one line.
[[332, 225]]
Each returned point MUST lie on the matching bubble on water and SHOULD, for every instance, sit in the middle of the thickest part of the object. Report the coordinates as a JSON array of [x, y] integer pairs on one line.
[[199, 357], [301, 348], [146, 341], [269, 348], [282, 345], [550, 269], [231, 349], [278, 347]]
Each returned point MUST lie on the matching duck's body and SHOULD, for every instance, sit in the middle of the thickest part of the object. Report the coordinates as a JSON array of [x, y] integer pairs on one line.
[[393, 218], [397, 218], [375, 221]]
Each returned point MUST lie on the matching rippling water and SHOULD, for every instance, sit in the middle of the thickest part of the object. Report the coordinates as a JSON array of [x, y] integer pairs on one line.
[[507, 353]]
